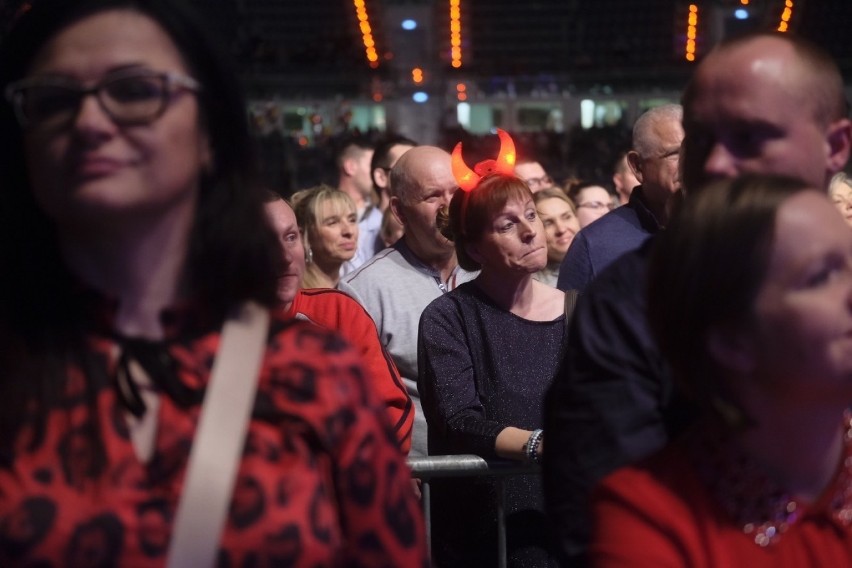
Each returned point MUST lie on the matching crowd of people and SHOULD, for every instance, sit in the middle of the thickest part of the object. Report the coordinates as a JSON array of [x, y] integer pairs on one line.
[[674, 350]]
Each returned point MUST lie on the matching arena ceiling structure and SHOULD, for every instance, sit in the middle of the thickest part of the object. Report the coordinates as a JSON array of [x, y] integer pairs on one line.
[[386, 48]]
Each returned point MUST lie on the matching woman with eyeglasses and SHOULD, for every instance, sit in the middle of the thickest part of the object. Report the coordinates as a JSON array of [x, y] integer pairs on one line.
[[592, 201], [131, 230]]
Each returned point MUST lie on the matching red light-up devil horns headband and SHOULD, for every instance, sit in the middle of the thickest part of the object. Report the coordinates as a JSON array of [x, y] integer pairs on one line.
[[504, 164]]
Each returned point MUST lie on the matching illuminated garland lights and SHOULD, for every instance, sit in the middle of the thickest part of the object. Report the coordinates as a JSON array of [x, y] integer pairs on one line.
[[691, 32], [366, 33], [785, 16], [455, 33]]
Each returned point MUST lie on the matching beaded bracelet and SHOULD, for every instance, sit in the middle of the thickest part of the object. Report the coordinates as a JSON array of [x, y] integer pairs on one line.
[[531, 447]]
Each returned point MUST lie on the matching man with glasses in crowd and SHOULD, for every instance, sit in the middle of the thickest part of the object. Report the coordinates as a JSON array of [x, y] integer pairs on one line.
[[657, 136], [533, 174]]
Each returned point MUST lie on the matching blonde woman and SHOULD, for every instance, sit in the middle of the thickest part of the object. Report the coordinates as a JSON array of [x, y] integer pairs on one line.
[[559, 216], [329, 224]]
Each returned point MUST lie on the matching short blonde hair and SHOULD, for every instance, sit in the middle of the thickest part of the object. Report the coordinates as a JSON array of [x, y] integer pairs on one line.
[[307, 204], [553, 193]]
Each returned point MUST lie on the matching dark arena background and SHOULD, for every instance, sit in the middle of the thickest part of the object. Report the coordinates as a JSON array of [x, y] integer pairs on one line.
[[566, 77]]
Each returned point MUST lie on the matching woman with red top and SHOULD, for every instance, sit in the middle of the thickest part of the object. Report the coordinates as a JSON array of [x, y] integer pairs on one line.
[[751, 301], [131, 226]]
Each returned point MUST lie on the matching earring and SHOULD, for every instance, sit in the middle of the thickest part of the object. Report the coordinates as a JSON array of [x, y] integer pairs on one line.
[[309, 255]]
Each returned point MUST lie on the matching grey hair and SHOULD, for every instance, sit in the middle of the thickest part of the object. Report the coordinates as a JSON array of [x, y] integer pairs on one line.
[[837, 179], [644, 140]]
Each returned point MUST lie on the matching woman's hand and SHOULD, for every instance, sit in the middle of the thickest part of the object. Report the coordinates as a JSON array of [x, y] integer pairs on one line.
[[511, 443]]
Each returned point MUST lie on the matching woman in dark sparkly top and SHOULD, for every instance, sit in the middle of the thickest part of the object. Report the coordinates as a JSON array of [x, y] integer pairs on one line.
[[751, 300], [487, 354]]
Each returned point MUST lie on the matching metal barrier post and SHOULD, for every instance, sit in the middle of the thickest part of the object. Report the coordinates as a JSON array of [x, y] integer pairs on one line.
[[502, 560], [426, 497], [468, 465]]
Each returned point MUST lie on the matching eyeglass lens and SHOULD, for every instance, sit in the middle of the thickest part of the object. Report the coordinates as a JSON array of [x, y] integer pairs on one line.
[[535, 182], [127, 100], [595, 205]]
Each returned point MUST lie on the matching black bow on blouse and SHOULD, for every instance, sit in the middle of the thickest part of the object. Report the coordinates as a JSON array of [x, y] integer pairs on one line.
[[155, 358]]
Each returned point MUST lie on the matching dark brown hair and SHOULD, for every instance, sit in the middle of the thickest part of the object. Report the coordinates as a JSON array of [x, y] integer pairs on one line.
[[232, 250], [706, 270]]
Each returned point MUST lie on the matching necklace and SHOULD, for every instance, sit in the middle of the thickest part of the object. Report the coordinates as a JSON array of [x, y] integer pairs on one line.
[[757, 503]]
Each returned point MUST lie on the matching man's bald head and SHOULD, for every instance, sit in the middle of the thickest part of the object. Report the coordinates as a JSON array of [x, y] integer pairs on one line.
[[765, 103], [422, 184], [806, 70], [415, 167]]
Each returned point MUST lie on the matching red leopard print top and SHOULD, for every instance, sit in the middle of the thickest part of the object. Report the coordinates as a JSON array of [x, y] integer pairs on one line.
[[321, 483]]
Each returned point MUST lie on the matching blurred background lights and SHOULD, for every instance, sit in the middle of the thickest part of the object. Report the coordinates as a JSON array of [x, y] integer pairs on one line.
[[691, 32], [366, 32], [409, 25], [785, 16], [420, 97], [463, 114], [587, 113], [455, 34], [741, 14]]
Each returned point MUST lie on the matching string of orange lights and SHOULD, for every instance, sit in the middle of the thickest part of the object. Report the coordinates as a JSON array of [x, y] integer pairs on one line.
[[455, 34], [692, 26], [691, 32], [785, 16], [366, 33]]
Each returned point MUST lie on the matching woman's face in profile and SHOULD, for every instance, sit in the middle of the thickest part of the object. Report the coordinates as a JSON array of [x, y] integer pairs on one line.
[[560, 226], [802, 332], [514, 241], [89, 169], [335, 238]]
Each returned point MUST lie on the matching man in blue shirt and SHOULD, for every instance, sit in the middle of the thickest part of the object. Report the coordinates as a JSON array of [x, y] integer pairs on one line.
[[657, 136]]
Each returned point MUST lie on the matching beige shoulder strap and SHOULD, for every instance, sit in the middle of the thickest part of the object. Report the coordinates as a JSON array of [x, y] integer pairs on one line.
[[219, 439]]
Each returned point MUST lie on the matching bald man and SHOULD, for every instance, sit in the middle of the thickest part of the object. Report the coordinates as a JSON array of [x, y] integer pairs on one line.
[[399, 282], [766, 103]]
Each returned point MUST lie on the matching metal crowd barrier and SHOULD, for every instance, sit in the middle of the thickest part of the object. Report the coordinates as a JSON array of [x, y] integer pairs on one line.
[[468, 465]]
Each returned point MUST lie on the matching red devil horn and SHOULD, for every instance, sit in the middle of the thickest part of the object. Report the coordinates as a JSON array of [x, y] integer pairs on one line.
[[506, 157], [465, 177]]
